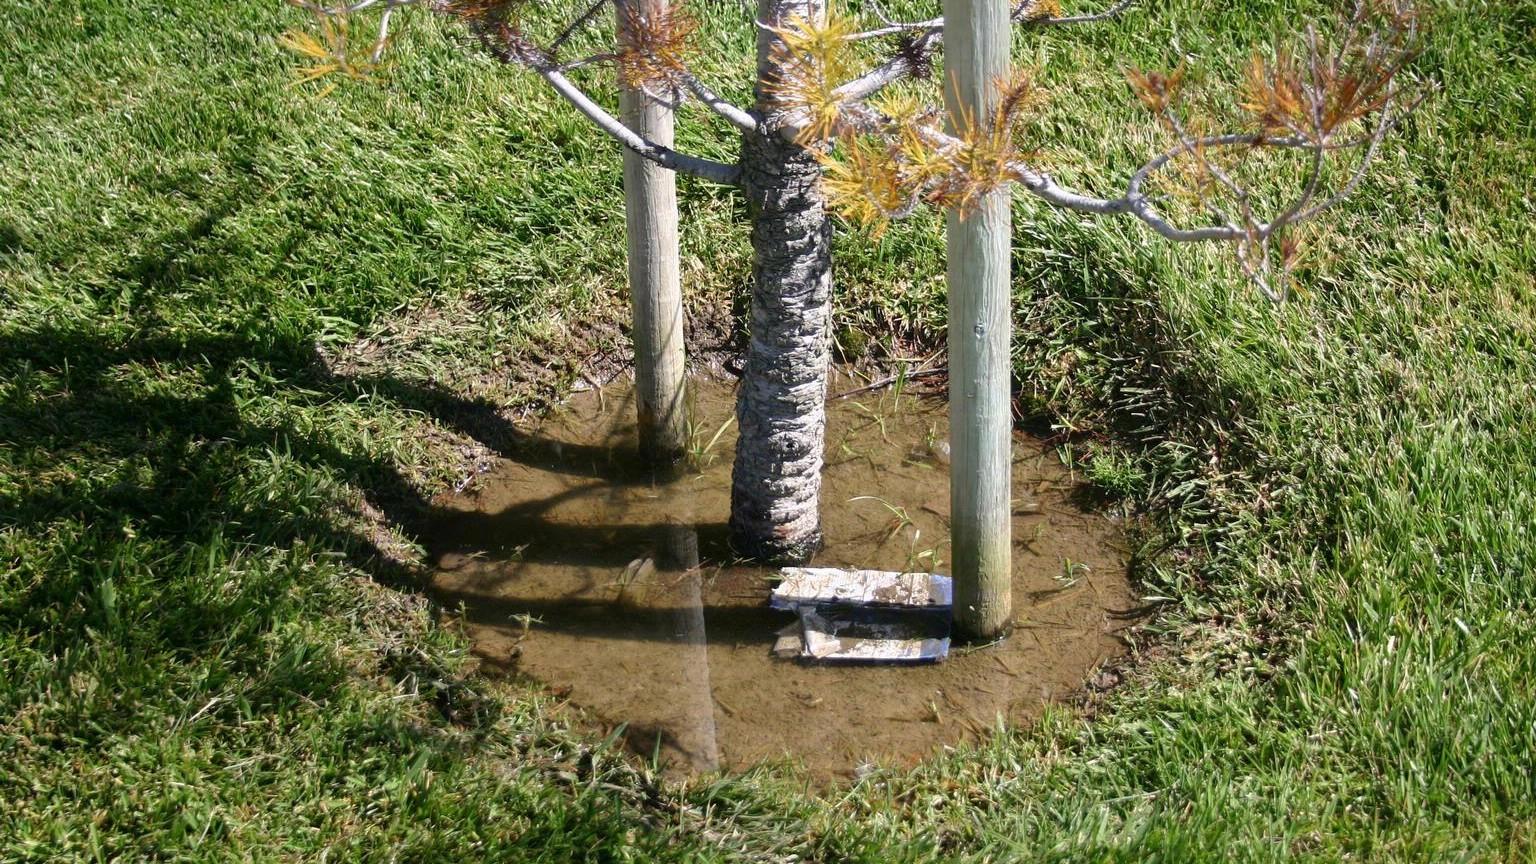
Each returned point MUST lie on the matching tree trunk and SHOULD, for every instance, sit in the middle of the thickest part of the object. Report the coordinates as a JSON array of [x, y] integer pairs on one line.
[[650, 218], [781, 410], [980, 417]]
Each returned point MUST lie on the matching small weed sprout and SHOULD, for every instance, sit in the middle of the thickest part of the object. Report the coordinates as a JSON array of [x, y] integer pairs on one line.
[[900, 518], [924, 561], [701, 454], [525, 622], [1072, 572], [876, 418]]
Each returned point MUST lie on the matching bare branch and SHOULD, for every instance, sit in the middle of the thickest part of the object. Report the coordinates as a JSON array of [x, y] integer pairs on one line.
[[1135, 202], [1387, 122], [1034, 13], [509, 46], [666, 157], [923, 38], [1021, 14], [584, 62], [576, 25], [911, 60], [896, 28], [736, 116]]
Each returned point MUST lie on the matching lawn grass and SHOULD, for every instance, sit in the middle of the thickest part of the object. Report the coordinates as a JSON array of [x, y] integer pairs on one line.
[[243, 326]]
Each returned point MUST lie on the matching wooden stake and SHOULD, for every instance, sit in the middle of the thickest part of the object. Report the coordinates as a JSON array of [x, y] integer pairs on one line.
[[650, 217], [980, 419]]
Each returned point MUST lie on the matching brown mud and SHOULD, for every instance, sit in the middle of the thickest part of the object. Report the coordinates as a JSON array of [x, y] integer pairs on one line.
[[574, 565]]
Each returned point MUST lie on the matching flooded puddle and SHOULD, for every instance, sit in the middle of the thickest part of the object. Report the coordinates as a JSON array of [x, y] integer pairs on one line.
[[573, 566]]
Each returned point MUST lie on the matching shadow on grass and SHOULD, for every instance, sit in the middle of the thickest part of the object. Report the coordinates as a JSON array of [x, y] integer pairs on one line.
[[170, 448], [148, 434], [183, 439]]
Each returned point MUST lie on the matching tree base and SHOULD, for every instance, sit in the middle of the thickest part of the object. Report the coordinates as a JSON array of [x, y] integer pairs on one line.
[[776, 551], [963, 636], [665, 461]]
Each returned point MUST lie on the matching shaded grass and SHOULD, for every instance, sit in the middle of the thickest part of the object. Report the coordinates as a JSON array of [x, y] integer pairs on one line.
[[237, 318]]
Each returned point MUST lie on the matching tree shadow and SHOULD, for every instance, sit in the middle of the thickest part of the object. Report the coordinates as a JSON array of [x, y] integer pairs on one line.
[[177, 439], [186, 442], [613, 460], [588, 618], [149, 429]]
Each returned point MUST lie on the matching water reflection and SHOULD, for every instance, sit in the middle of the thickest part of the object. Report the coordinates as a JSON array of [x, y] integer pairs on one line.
[[693, 726]]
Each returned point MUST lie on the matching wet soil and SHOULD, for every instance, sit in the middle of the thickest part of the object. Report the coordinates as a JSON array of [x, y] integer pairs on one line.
[[573, 564]]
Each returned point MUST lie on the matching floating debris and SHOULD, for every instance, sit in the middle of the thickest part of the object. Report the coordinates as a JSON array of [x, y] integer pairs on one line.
[[813, 586]]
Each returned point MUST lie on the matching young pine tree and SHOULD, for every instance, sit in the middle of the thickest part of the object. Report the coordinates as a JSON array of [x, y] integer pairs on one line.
[[826, 134]]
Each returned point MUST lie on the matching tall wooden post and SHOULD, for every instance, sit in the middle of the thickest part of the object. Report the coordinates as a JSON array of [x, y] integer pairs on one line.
[[976, 41], [650, 218]]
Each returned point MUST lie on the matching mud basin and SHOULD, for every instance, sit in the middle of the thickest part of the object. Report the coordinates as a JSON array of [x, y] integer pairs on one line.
[[574, 565]]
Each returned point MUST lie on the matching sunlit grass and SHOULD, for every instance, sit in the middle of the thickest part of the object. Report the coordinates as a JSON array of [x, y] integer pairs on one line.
[[247, 334]]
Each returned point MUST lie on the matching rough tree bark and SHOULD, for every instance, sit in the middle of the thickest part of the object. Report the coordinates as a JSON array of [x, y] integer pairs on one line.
[[980, 415], [781, 409], [656, 297]]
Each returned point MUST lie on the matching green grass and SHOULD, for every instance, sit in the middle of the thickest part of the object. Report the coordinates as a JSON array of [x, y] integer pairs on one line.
[[242, 327]]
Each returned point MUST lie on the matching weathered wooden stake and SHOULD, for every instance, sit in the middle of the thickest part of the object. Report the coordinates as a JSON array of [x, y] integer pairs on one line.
[[650, 217], [980, 419]]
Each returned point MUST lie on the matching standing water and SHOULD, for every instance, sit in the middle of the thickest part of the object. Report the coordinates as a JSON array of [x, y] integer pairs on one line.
[[577, 567]]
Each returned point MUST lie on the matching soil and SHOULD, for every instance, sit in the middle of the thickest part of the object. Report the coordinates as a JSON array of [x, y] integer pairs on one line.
[[576, 565]]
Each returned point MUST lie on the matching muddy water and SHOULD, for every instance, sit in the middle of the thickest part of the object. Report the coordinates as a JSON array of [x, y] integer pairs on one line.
[[574, 566]]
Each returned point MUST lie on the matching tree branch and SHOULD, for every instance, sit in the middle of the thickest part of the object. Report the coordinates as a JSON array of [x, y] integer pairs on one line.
[[734, 115], [1021, 15], [575, 26], [910, 60], [914, 54], [593, 60], [506, 44], [666, 157]]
